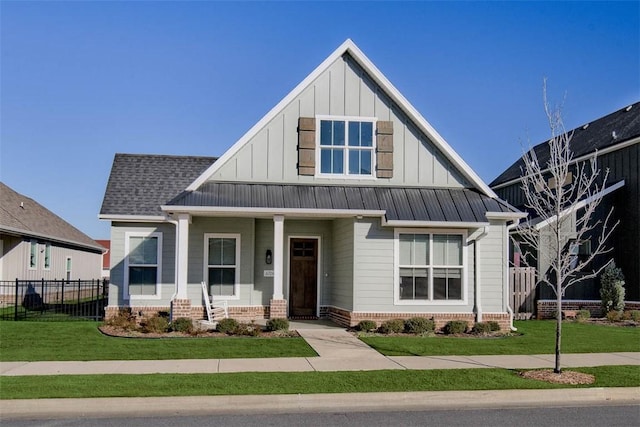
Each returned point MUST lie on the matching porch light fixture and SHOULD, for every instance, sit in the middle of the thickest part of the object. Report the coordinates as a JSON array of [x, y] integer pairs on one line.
[[268, 257]]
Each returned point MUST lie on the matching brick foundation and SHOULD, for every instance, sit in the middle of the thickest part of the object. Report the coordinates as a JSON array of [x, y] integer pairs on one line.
[[278, 308], [180, 308], [349, 319], [546, 309]]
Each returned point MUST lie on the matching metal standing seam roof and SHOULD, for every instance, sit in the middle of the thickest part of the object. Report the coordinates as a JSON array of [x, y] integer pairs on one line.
[[401, 204]]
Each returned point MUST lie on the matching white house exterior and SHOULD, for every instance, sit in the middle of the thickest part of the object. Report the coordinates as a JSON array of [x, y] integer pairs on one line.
[[342, 202]]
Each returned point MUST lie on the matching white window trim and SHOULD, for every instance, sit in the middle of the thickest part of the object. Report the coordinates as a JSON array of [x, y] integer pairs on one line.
[[205, 270], [346, 149], [127, 236], [47, 254], [35, 262], [68, 271], [396, 267]]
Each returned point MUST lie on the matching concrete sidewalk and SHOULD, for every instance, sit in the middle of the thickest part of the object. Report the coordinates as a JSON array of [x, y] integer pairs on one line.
[[337, 350]]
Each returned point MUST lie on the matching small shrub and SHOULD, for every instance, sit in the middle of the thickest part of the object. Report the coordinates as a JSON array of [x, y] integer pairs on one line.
[[614, 316], [481, 328], [635, 315], [456, 327], [182, 324], [227, 326], [366, 326], [155, 324], [493, 326], [249, 329], [125, 319], [278, 324], [393, 326], [583, 315], [612, 288], [419, 325]]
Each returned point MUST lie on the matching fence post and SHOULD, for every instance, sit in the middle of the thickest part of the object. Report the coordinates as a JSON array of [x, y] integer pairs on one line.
[[62, 298], [15, 307], [42, 295]]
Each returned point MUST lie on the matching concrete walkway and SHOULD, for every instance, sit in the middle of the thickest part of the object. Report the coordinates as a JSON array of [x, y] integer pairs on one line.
[[337, 350]]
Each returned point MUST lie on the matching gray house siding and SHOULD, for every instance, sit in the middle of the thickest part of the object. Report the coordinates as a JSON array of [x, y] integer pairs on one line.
[[492, 268], [85, 265], [263, 286], [343, 90], [341, 292]]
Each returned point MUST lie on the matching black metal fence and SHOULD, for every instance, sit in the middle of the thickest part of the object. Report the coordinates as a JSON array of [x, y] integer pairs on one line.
[[53, 299]]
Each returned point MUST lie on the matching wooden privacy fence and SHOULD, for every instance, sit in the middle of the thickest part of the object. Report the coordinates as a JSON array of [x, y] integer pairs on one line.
[[522, 282]]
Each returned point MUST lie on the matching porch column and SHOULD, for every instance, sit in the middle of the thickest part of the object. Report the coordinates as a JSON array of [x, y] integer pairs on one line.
[[278, 305], [183, 255]]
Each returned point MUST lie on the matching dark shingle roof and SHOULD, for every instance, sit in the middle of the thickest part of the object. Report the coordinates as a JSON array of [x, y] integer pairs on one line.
[[22, 215], [404, 204], [597, 135], [140, 183]]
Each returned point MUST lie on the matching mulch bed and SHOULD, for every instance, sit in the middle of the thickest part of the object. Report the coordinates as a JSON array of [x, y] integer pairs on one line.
[[564, 377], [119, 332]]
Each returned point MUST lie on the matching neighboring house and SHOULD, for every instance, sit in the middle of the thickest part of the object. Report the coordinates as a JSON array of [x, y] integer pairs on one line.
[[615, 139], [342, 203], [37, 244], [106, 257]]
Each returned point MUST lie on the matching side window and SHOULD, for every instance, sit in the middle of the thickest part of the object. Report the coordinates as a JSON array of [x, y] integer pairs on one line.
[[143, 264], [47, 256], [68, 268], [33, 255], [222, 264]]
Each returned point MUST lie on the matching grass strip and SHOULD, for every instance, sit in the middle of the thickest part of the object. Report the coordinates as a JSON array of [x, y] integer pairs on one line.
[[77, 386], [59, 341], [537, 337]]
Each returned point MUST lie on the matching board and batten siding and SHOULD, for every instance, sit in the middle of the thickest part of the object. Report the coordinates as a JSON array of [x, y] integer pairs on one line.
[[341, 292], [85, 264], [198, 228], [116, 281], [344, 89]]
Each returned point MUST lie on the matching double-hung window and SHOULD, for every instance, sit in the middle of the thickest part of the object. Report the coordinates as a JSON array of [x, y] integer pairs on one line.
[[346, 147], [33, 255], [430, 267], [222, 265], [143, 264], [47, 256]]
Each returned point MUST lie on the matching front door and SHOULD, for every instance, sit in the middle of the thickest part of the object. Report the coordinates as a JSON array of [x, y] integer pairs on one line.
[[303, 274]]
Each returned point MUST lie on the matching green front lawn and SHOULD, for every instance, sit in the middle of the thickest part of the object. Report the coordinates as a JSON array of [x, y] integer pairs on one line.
[[537, 337], [68, 386], [34, 341]]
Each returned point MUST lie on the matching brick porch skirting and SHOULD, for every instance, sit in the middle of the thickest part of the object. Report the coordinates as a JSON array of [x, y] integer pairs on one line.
[[546, 309], [349, 319]]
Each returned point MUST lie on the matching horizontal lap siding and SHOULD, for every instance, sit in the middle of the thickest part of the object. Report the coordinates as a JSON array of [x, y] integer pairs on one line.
[[167, 288], [492, 268], [341, 292], [263, 286]]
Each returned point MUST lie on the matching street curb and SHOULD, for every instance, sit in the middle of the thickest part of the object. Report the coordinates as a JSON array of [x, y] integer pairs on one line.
[[300, 403]]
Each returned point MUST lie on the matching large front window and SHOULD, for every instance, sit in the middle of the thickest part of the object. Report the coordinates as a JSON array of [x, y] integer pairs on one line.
[[222, 254], [346, 147], [143, 264], [430, 267]]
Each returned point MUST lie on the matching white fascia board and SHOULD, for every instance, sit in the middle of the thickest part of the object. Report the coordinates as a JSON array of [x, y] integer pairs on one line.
[[27, 233], [508, 216], [252, 212], [350, 47], [433, 224], [581, 204], [133, 218], [604, 151]]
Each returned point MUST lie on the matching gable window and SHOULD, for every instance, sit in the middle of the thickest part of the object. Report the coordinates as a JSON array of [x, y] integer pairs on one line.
[[33, 255], [429, 267], [222, 265], [346, 147], [142, 264]]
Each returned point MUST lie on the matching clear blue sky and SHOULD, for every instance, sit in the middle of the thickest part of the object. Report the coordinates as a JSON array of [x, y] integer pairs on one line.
[[81, 81]]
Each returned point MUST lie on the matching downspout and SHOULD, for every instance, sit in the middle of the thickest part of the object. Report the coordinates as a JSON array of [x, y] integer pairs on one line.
[[476, 274], [513, 225]]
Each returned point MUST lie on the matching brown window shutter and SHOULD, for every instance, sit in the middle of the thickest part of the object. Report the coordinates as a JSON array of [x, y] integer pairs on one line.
[[384, 149], [307, 146]]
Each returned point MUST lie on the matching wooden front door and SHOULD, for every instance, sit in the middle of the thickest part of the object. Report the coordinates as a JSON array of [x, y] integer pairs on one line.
[[303, 274]]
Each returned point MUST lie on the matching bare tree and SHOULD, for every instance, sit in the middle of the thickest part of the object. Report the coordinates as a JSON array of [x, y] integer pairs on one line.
[[562, 196]]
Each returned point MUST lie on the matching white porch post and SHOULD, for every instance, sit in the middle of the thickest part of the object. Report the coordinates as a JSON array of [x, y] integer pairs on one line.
[[278, 256], [183, 256]]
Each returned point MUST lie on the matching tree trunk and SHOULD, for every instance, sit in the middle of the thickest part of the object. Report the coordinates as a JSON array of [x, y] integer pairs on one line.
[[557, 369]]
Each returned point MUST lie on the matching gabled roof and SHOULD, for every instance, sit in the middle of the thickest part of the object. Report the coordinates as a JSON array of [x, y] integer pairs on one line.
[[607, 132], [427, 205], [350, 48], [23, 216], [140, 183]]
